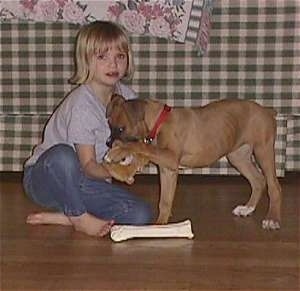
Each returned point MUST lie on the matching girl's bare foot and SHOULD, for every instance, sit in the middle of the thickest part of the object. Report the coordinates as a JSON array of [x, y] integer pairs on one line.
[[48, 218], [85, 223], [91, 225], [106, 228]]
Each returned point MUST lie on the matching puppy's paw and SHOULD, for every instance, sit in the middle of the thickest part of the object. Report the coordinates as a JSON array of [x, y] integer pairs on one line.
[[243, 210], [270, 224]]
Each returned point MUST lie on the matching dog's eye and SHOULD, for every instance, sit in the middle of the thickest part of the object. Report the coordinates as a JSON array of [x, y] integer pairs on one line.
[[116, 131], [121, 129]]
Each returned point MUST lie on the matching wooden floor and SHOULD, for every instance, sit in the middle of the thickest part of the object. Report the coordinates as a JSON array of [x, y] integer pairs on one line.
[[227, 253]]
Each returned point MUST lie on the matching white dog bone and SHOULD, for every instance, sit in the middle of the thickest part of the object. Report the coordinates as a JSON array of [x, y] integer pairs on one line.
[[123, 232], [243, 210]]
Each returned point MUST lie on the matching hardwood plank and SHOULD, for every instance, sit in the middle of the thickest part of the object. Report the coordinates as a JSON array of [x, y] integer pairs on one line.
[[227, 253]]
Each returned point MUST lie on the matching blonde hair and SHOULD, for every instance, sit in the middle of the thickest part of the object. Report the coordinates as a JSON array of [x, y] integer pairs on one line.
[[97, 37]]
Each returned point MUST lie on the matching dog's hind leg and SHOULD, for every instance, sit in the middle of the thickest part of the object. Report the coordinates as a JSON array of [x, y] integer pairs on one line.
[[265, 156], [168, 182], [241, 160]]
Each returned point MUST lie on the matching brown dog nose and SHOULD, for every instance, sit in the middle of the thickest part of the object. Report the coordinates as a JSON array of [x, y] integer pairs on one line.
[[110, 141]]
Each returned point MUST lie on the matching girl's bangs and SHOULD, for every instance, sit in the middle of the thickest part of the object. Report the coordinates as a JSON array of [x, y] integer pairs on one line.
[[102, 46]]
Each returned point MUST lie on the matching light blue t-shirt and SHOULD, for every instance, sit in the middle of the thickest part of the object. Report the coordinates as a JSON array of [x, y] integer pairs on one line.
[[79, 119]]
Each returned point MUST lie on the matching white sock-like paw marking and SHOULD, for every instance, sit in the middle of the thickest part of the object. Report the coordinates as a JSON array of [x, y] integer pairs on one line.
[[270, 224], [243, 210]]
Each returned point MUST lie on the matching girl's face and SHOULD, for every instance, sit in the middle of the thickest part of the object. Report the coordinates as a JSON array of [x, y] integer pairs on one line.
[[110, 66]]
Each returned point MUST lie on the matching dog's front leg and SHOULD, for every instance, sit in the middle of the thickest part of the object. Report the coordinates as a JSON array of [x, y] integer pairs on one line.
[[168, 182]]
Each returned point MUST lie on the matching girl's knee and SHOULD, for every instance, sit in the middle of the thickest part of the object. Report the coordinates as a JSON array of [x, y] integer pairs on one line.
[[61, 157]]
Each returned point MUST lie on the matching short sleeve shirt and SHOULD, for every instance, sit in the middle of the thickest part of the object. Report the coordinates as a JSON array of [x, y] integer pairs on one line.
[[79, 119]]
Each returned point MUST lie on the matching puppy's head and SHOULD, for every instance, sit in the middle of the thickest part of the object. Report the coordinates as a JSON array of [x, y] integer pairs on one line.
[[126, 119]]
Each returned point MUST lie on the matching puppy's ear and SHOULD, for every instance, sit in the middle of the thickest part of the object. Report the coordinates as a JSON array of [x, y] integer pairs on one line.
[[136, 109], [116, 100]]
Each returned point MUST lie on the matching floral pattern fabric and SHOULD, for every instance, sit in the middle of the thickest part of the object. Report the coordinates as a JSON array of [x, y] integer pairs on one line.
[[161, 18], [157, 18]]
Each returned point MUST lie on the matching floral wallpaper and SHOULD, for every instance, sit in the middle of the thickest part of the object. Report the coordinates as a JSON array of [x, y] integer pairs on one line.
[[162, 18], [157, 18]]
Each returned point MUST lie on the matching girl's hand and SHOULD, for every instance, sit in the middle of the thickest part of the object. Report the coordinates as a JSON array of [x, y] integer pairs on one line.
[[87, 158]]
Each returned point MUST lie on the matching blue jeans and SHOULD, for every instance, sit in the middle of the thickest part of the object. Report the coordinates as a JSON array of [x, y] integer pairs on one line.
[[56, 181]]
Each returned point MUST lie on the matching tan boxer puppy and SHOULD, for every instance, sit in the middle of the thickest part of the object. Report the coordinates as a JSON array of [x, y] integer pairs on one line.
[[197, 137]]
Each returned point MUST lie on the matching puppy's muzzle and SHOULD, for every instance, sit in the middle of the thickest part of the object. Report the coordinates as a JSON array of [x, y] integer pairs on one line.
[[117, 133]]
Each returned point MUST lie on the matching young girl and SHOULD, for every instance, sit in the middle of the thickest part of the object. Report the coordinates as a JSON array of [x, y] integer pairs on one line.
[[65, 172]]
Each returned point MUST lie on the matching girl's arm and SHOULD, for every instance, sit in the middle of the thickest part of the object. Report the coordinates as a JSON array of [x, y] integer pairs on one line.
[[87, 158]]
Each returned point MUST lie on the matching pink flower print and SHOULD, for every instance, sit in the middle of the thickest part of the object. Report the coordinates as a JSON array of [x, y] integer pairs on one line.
[[160, 27], [173, 22], [28, 4], [157, 11], [167, 10], [46, 10], [114, 11], [145, 10], [133, 21], [61, 3], [73, 13]]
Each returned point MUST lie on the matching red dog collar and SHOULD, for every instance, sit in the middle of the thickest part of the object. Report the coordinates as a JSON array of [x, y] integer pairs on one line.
[[162, 117]]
